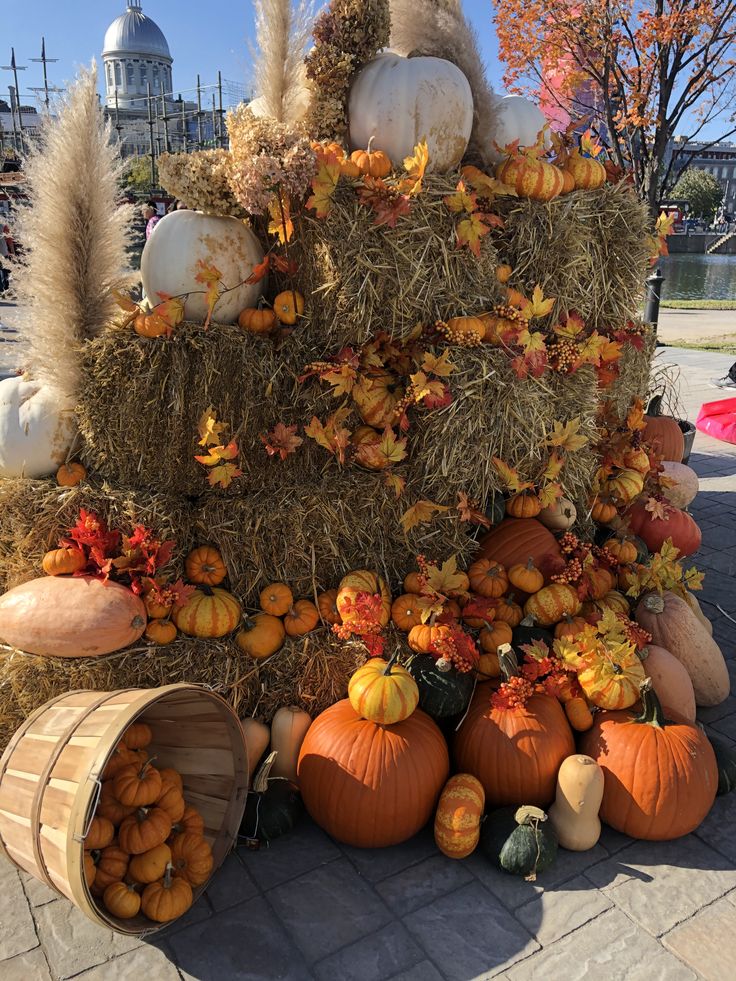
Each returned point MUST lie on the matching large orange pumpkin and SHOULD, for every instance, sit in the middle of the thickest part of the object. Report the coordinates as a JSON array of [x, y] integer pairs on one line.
[[515, 753], [660, 773], [209, 612], [362, 581], [665, 437], [677, 525], [71, 617], [370, 785], [515, 540]]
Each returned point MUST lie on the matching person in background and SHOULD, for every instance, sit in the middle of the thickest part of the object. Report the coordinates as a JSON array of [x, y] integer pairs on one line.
[[6, 249], [728, 381], [151, 216]]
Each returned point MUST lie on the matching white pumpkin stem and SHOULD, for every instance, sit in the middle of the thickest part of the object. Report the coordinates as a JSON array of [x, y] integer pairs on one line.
[[260, 783]]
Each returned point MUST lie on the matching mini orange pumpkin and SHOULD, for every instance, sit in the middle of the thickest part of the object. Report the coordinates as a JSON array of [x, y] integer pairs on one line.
[[161, 632], [109, 806], [327, 606], [122, 900], [257, 320], [412, 583], [603, 511], [167, 898], [622, 549], [276, 599], [138, 735], [170, 800], [70, 474], [143, 830], [488, 578], [204, 565], [112, 865], [508, 611], [150, 865], [121, 756], [100, 833], [523, 505], [170, 775], [301, 618], [492, 636], [261, 636], [154, 608], [423, 637], [191, 823], [137, 786], [570, 627], [527, 577], [288, 307], [405, 612], [63, 561], [551, 603], [90, 871], [191, 857], [373, 163]]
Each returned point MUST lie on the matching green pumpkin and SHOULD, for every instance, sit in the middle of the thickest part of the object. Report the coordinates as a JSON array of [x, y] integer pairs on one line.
[[527, 632], [495, 508], [272, 807], [726, 760], [441, 693], [519, 840]]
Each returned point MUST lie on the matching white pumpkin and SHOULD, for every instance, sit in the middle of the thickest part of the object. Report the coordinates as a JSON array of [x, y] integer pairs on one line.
[[397, 102], [516, 119], [37, 426], [560, 516], [170, 263], [685, 485]]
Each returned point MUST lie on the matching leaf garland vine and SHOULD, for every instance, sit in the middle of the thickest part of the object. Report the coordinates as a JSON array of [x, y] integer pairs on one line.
[[220, 456]]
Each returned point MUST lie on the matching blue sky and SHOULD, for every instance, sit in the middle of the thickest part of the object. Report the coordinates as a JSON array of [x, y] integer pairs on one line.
[[203, 36]]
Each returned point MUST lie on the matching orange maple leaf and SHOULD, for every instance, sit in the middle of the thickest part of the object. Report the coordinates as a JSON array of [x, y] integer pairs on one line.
[[468, 509], [420, 514], [209, 275], [281, 441], [217, 454]]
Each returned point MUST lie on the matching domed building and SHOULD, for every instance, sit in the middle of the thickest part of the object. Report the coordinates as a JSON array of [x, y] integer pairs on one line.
[[135, 56]]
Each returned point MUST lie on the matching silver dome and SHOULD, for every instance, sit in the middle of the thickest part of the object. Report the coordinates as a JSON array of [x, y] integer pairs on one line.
[[134, 33]]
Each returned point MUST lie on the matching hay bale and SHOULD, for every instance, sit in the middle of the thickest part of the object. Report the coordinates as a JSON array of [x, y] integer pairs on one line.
[[312, 672], [310, 536], [494, 413], [35, 513], [588, 249], [360, 279], [142, 400], [634, 373]]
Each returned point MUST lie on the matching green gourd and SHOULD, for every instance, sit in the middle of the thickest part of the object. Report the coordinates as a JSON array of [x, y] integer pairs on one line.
[[519, 840], [272, 808], [441, 693]]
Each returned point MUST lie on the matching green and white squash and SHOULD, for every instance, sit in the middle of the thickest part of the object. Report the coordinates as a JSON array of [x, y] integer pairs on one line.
[[519, 840]]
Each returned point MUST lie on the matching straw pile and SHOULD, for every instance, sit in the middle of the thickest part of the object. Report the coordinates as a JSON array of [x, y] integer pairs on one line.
[[35, 513], [588, 249], [360, 279], [143, 398], [494, 413], [634, 375], [310, 537], [312, 672]]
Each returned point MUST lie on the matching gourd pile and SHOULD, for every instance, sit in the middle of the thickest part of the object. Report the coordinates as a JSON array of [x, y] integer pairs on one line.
[[371, 353], [145, 848]]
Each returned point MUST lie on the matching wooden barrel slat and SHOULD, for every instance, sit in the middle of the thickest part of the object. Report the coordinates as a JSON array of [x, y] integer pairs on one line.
[[52, 764]]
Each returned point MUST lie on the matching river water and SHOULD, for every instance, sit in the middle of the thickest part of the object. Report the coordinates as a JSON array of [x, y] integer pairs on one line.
[[699, 277]]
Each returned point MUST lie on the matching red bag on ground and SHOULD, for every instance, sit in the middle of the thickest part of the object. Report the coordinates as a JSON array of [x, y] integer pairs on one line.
[[718, 419]]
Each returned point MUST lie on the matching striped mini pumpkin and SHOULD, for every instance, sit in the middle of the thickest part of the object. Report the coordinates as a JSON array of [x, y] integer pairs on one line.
[[458, 816], [625, 486], [550, 604], [209, 612], [383, 692], [362, 581]]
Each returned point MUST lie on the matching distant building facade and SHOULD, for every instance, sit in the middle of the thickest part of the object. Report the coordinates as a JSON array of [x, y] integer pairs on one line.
[[718, 159]]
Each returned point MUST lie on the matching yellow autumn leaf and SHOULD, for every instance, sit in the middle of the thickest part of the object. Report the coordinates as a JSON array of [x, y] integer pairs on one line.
[[323, 187], [420, 514], [470, 231], [566, 435], [209, 275], [461, 200], [415, 167], [441, 366], [509, 476], [209, 429], [447, 580], [538, 306], [280, 225], [395, 483]]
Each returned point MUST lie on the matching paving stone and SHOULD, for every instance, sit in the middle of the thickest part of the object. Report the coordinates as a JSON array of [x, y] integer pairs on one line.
[[424, 971], [231, 885], [145, 961], [721, 536], [374, 958], [37, 893], [610, 948], [707, 941], [725, 726], [723, 562], [17, 930], [468, 934], [672, 880], [613, 841], [379, 863], [306, 848], [243, 943], [715, 712], [511, 890], [421, 883], [328, 908], [31, 966], [73, 943], [718, 828], [196, 914], [562, 909]]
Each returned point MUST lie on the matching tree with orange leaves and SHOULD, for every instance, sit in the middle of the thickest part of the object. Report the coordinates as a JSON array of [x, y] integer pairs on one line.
[[647, 67]]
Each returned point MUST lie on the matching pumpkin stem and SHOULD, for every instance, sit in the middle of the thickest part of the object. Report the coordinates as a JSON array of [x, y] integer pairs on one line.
[[392, 661], [652, 713], [370, 144], [530, 563], [260, 781], [508, 662], [207, 590], [167, 876], [654, 603]]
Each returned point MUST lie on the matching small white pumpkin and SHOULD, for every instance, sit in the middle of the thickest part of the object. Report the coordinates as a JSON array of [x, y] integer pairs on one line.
[[397, 102], [37, 426], [560, 516], [516, 119], [685, 485], [170, 263]]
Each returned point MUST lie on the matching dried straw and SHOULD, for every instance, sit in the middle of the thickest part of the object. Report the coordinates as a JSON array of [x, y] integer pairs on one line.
[[635, 369], [588, 249], [360, 279], [494, 413], [35, 513]]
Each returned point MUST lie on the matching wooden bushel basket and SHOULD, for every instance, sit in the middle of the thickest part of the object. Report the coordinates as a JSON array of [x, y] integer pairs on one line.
[[49, 779]]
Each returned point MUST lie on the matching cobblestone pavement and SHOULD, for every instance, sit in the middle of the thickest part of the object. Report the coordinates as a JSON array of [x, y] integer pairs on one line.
[[309, 908]]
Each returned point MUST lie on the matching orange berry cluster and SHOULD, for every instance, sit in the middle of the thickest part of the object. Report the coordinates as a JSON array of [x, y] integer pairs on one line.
[[507, 312], [563, 355], [459, 338], [514, 693]]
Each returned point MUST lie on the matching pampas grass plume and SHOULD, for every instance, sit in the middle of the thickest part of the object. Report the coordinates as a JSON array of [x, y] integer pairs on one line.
[[279, 73]]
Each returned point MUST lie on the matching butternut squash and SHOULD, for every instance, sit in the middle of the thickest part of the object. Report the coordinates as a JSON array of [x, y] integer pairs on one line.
[[694, 603], [670, 679], [288, 729], [574, 814], [674, 626], [257, 736]]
